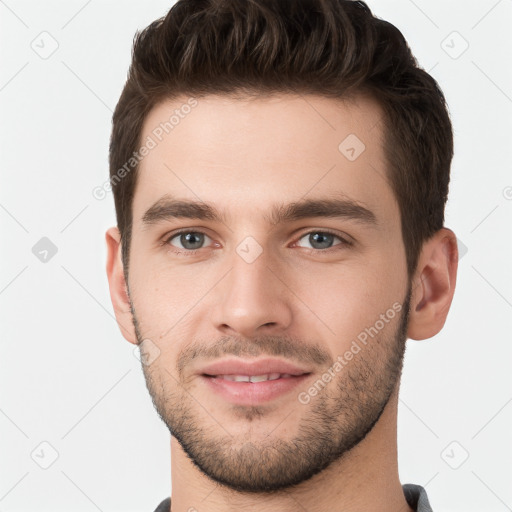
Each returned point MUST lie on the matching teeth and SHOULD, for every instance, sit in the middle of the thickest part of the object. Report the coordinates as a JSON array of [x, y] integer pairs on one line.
[[254, 378], [259, 378]]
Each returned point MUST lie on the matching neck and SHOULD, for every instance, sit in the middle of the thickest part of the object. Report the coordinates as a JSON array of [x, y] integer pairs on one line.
[[364, 479]]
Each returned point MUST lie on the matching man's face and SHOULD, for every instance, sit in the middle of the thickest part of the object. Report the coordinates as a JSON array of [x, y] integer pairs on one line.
[[303, 286]]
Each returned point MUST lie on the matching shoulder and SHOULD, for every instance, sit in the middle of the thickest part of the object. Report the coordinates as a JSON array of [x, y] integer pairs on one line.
[[165, 506], [416, 497]]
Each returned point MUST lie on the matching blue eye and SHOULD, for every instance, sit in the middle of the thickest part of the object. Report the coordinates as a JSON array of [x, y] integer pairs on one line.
[[189, 240], [321, 240]]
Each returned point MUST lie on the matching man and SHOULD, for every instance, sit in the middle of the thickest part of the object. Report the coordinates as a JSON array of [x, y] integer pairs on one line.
[[280, 171]]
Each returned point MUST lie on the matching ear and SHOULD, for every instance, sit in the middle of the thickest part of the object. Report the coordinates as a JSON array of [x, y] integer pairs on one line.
[[117, 285], [433, 285]]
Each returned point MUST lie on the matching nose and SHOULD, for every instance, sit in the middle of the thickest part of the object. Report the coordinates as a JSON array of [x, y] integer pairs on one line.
[[252, 299]]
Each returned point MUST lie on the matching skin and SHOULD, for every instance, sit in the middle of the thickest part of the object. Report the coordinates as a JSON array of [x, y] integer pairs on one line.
[[293, 301]]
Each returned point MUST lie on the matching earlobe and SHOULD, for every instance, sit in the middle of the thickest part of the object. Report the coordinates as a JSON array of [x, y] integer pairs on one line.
[[433, 285], [117, 285]]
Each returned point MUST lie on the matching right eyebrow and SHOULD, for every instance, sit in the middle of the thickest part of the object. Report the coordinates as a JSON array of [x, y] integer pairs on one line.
[[167, 208]]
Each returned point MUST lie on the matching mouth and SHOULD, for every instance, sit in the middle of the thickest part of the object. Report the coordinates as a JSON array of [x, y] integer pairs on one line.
[[254, 378], [259, 369], [252, 382]]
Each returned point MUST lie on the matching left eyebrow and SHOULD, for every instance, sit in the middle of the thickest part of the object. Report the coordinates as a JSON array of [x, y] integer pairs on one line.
[[168, 208], [311, 208]]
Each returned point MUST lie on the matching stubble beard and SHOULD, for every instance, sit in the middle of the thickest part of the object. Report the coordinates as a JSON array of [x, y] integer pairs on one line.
[[337, 419]]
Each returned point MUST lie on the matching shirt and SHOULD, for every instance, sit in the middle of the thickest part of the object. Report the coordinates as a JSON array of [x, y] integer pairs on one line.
[[415, 495]]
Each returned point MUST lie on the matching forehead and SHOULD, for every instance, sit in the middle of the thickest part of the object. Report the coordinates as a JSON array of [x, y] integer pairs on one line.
[[247, 153]]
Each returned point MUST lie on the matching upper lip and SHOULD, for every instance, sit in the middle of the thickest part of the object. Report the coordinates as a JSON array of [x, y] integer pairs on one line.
[[260, 367]]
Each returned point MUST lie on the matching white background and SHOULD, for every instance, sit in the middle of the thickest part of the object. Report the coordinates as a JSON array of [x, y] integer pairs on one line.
[[68, 378]]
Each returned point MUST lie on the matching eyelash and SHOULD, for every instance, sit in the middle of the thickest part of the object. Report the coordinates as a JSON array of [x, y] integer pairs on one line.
[[191, 252]]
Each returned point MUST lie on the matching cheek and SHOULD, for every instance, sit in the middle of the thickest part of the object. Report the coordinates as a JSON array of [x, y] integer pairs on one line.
[[155, 282], [164, 295], [350, 300]]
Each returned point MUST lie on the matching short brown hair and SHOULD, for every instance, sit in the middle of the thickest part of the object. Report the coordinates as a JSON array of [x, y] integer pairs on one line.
[[333, 48]]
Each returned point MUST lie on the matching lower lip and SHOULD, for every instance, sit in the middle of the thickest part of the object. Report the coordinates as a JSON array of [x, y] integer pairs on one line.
[[252, 393]]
